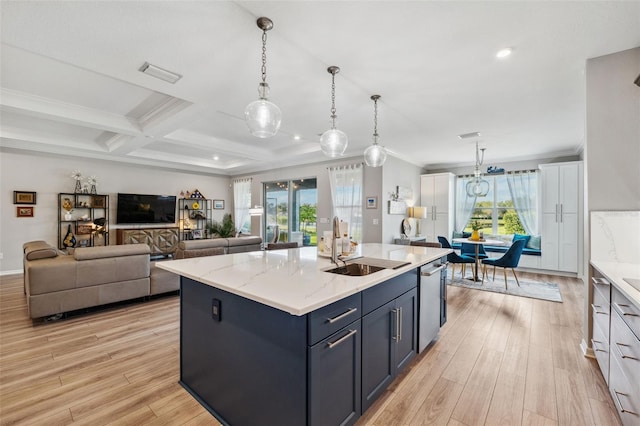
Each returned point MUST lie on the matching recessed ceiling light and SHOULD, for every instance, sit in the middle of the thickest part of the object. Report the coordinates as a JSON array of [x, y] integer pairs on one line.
[[215, 157], [503, 53], [161, 73], [296, 137]]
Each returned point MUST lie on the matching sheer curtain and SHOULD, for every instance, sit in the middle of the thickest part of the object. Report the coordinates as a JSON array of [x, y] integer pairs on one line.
[[524, 189], [464, 203], [242, 204], [346, 196]]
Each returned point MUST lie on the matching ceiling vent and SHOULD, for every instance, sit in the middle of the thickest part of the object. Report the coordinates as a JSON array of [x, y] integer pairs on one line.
[[469, 135], [160, 73]]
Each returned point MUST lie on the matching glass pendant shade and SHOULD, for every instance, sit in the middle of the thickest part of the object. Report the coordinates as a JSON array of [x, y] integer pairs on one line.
[[333, 142], [477, 187], [263, 117], [375, 155]]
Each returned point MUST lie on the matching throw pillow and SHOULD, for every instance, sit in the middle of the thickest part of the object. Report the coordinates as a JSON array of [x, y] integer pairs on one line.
[[534, 243], [517, 237], [457, 234]]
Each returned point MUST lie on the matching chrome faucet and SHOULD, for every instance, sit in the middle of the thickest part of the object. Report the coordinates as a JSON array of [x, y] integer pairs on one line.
[[334, 246]]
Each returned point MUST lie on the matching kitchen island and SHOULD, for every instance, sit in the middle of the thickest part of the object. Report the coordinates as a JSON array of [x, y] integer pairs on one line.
[[272, 338]]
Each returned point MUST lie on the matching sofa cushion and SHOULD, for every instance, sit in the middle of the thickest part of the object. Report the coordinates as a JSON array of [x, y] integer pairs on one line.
[[212, 251], [517, 237], [88, 253], [534, 243], [39, 250], [203, 244], [244, 241]]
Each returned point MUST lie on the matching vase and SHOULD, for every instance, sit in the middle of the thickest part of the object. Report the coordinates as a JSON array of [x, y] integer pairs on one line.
[[68, 216], [69, 239], [475, 235]]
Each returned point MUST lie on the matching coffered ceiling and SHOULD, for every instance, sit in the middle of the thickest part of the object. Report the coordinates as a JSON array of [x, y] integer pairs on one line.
[[71, 85]]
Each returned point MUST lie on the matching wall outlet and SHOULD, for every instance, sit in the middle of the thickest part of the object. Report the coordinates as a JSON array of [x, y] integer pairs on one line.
[[324, 220], [376, 221]]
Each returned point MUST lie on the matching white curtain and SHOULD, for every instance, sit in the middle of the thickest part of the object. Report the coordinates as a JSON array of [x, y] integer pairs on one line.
[[346, 196], [242, 204], [524, 189], [464, 203]]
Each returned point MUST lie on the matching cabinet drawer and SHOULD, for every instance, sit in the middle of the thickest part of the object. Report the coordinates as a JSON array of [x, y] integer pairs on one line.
[[625, 346], [374, 297], [602, 286], [600, 346], [326, 321], [625, 397], [600, 309], [629, 312]]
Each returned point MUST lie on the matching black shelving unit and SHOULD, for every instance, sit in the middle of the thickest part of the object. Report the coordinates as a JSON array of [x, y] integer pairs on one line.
[[194, 217], [89, 218]]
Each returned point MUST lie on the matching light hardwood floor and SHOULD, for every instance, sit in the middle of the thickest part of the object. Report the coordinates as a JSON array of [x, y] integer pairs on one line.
[[499, 360]]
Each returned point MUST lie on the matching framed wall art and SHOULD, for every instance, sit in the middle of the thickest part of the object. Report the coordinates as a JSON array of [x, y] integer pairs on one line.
[[218, 204], [22, 211], [98, 201], [196, 234], [24, 197], [372, 202]]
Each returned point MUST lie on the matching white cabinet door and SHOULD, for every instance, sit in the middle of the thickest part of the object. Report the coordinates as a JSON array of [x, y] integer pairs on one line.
[[568, 242], [549, 241], [437, 196], [441, 193], [568, 189], [549, 196]]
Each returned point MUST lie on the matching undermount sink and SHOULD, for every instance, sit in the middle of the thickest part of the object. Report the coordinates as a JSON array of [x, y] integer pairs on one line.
[[355, 269]]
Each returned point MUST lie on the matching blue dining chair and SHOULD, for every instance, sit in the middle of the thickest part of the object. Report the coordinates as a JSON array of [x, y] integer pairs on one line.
[[468, 249], [509, 260], [455, 258]]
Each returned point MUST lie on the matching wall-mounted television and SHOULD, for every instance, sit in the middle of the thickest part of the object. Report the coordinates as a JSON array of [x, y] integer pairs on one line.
[[141, 208]]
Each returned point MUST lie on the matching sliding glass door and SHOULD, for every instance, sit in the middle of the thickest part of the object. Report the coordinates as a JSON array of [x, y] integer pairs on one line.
[[290, 211]]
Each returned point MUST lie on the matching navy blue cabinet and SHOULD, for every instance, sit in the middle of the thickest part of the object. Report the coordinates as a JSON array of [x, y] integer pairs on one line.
[[334, 378], [389, 338]]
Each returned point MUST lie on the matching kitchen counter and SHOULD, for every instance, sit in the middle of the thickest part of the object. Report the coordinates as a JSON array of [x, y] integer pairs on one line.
[[295, 280], [615, 272]]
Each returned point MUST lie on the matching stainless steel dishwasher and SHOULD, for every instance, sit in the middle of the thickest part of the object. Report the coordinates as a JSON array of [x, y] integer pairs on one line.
[[432, 299]]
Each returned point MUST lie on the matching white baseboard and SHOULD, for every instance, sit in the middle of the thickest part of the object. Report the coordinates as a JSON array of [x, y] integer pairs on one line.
[[16, 271], [586, 351]]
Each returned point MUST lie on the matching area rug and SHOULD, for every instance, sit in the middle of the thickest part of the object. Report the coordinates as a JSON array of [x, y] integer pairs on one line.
[[528, 288]]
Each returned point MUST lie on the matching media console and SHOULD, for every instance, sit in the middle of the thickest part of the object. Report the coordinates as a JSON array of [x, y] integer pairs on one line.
[[162, 241]]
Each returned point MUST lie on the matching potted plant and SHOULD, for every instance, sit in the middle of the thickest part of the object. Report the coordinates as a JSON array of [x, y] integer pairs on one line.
[[224, 229], [475, 227]]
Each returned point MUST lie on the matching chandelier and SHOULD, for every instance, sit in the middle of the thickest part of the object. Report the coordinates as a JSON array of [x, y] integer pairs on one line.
[[478, 187], [375, 155], [263, 117]]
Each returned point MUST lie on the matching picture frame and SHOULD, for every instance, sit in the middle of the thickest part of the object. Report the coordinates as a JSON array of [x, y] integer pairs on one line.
[[372, 202], [218, 204], [196, 234], [98, 201], [24, 197], [24, 211]]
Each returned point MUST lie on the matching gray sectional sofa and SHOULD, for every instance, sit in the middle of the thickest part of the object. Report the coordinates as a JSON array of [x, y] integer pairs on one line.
[[216, 246], [55, 282]]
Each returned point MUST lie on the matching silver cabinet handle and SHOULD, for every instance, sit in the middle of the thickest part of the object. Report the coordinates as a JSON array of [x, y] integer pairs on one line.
[[339, 317], [556, 213], [433, 271], [331, 345], [560, 213], [400, 324], [593, 343], [631, 314], [600, 281], [595, 310], [622, 409], [396, 332], [623, 355]]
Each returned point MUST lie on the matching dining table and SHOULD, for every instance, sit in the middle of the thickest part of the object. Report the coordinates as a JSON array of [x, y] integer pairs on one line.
[[477, 244]]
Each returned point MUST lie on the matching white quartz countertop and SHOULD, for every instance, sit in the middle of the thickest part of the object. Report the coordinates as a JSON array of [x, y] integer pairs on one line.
[[615, 272], [295, 280]]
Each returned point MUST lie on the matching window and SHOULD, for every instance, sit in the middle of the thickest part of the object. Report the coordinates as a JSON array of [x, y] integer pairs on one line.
[[290, 211], [346, 196], [510, 207], [242, 204]]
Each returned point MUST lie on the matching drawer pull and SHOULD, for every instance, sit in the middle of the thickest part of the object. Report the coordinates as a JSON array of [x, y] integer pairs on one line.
[[631, 314], [600, 281], [339, 317], [623, 355], [396, 321], [593, 343], [622, 409], [400, 324], [331, 345], [595, 310]]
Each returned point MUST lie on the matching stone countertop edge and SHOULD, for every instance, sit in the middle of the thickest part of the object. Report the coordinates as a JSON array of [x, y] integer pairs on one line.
[[615, 272], [294, 280]]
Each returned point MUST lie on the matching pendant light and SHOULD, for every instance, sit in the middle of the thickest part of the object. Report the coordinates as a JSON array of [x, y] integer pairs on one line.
[[375, 155], [478, 187], [333, 142], [263, 117]]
